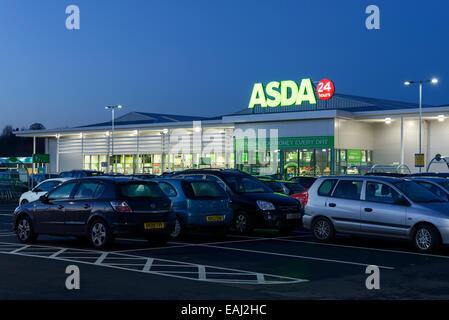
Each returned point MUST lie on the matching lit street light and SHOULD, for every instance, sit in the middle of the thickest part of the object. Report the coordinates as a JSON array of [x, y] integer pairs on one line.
[[112, 108], [420, 82]]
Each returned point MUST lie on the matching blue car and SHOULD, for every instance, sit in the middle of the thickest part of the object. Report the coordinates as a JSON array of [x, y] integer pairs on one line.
[[198, 204]]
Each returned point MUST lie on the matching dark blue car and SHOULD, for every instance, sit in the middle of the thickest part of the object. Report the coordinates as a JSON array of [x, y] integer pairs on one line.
[[198, 204], [99, 208]]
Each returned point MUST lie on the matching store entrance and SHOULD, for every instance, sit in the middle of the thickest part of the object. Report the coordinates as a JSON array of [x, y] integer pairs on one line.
[[306, 162]]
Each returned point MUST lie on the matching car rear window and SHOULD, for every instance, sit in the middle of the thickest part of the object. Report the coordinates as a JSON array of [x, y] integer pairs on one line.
[[295, 188], [140, 190], [203, 190], [306, 182], [326, 187]]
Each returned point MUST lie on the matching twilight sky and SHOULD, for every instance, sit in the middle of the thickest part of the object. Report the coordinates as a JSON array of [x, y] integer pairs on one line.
[[201, 57]]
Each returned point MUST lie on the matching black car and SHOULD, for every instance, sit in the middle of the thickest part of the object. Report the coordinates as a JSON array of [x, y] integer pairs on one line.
[[254, 204], [99, 208], [80, 174]]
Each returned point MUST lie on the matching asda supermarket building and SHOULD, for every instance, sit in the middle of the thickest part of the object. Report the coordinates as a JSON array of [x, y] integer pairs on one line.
[[314, 137]]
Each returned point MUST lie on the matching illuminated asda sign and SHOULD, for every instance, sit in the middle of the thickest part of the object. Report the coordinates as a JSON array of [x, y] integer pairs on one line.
[[288, 93]]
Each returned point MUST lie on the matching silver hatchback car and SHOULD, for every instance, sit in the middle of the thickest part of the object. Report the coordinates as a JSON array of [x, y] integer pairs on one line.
[[377, 206]]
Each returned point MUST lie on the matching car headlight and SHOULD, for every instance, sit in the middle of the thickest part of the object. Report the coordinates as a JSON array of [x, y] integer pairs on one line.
[[265, 205]]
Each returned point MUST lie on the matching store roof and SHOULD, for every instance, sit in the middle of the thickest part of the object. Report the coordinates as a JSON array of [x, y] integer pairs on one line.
[[337, 102], [145, 118]]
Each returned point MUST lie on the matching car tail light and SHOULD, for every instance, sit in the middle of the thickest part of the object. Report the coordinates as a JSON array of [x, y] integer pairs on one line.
[[306, 198], [120, 206]]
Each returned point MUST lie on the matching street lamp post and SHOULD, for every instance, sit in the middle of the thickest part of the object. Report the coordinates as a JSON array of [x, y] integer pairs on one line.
[[420, 83], [112, 108]]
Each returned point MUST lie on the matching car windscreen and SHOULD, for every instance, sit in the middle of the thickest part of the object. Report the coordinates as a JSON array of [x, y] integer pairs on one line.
[[295, 188], [244, 184], [140, 189], [275, 186], [417, 193], [203, 190]]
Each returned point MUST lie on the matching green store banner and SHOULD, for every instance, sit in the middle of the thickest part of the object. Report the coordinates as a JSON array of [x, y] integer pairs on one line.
[[354, 155], [292, 142]]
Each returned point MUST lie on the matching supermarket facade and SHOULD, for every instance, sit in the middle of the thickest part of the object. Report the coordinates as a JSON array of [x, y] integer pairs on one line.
[[325, 137]]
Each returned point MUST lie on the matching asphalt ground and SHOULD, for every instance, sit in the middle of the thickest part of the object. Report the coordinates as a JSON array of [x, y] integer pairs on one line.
[[264, 265]]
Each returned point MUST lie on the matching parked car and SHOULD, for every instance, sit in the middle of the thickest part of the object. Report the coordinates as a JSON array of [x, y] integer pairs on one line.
[[41, 189], [198, 204], [290, 188], [439, 186], [35, 179], [80, 174], [144, 176], [274, 185], [296, 190], [253, 203], [305, 181], [377, 206], [99, 208], [430, 174]]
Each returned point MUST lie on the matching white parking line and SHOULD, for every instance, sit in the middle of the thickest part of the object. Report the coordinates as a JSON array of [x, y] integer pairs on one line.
[[186, 244], [200, 274], [295, 256], [367, 248]]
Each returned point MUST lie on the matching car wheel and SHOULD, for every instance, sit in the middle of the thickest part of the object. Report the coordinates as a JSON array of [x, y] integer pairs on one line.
[[178, 231], [24, 202], [25, 232], [323, 230], [426, 238], [242, 223], [99, 234], [157, 241]]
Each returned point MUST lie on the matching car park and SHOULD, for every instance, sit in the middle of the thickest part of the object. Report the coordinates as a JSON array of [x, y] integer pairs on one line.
[[253, 203], [377, 206], [40, 190], [198, 204], [100, 209]]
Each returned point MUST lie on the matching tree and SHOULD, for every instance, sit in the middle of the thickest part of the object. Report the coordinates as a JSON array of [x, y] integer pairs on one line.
[[7, 131], [37, 126]]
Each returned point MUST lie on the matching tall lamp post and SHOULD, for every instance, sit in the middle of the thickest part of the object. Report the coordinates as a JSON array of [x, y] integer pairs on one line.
[[112, 108], [420, 83]]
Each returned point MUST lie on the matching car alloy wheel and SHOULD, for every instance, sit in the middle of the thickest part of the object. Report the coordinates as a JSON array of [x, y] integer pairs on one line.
[[241, 223], [177, 231], [423, 239], [24, 230], [98, 234], [23, 202], [323, 229]]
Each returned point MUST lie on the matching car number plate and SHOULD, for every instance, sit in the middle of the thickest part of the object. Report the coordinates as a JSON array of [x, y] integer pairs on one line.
[[293, 216], [154, 225], [214, 218]]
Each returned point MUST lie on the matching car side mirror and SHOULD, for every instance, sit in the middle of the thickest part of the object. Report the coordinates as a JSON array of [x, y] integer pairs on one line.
[[402, 202], [43, 199]]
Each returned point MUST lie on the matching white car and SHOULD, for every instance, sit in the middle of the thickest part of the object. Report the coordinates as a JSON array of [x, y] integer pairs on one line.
[[41, 189]]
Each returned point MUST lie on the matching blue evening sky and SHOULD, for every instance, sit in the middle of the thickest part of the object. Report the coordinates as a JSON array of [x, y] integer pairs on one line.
[[201, 57]]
